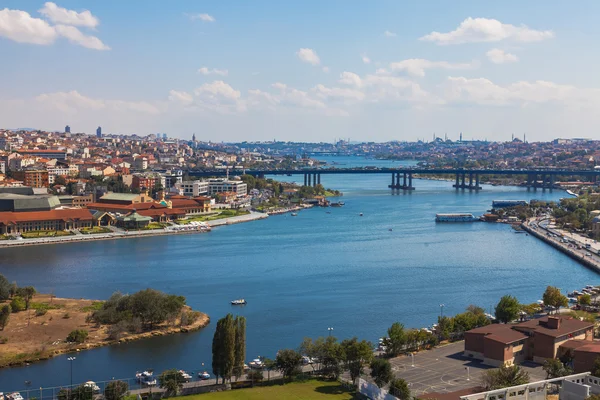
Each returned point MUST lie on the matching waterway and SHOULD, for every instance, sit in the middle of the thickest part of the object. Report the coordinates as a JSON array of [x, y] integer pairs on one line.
[[301, 275]]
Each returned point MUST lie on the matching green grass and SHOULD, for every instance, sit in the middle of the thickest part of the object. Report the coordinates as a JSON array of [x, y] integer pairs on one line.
[[43, 234], [309, 390], [155, 225], [93, 230], [44, 306], [95, 306], [3, 237]]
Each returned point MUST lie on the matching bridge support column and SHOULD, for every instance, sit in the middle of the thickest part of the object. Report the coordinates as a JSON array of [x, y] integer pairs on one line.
[[319, 179], [392, 185], [309, 184], [462, 186], [410, 186], [535, 182], [551, 182], [404, 180], [457, 184], [305, 179], [314, 180], [544, 181], [470, 181], [397, 180]]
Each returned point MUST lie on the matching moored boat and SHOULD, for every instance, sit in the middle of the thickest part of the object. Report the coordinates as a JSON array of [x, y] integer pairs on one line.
[[239, 302]]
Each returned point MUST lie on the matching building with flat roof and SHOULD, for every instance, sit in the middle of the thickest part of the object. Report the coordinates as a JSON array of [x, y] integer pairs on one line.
[[32, 177], [224, 185], [536, 340], [193, 188]]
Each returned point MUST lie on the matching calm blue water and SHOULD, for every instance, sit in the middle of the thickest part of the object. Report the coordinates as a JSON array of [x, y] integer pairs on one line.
[[302, 274]]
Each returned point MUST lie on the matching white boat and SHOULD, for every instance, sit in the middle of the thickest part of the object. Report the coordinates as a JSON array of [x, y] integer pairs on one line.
[[91, 384], [238, 302], [203, 375], [455, 217], [572, 299], [294, 214], [185, 375], [141, 376], [571, 193], [256, 363]]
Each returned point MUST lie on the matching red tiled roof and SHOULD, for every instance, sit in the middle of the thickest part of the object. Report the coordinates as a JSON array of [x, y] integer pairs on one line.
[[499, 333], [567, 325], [80, 214], [165, 211]]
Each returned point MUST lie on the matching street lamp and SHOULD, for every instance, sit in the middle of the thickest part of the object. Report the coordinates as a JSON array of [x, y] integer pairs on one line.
[[27, 385], [442, 310], [412, 357], [330, 330], [71, 359], [468, 373]]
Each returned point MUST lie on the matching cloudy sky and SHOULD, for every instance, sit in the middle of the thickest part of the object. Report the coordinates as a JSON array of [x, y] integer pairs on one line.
[[303, 70]]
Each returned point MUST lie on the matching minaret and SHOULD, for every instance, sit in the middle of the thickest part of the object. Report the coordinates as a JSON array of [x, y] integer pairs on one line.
[[461, 136], [194, 137]]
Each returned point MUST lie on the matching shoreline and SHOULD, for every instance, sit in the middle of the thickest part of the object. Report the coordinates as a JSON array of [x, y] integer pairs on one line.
[[588, 262], [34, 352], [253, 216]]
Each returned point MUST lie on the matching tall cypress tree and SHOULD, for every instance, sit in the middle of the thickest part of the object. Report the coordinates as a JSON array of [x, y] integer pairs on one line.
[[240, 346], [223, 348]]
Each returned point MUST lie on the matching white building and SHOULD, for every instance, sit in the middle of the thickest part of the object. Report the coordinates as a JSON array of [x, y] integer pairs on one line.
[[224, 185], [193, 188]]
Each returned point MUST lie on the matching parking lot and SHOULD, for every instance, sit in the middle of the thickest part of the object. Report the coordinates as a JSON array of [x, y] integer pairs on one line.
[[444, 370]]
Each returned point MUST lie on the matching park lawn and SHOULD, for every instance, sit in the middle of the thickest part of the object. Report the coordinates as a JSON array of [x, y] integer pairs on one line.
[[44, 234], [93, 230], [308, 390]]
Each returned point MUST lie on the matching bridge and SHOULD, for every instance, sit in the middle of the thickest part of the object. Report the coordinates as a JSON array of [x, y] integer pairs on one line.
[[465, 178]]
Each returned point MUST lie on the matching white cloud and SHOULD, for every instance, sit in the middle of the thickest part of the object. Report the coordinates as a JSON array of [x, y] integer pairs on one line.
[[498, 56], [74, 35], [365, 59], [181, 97], [389, 34], [214, 71], [474, 30], [60, 15], [338, 94], [417, 66], [325, 69], [202, 17], [485, 92], [73, 102], [308, 56], [350, 78], [21, 27]]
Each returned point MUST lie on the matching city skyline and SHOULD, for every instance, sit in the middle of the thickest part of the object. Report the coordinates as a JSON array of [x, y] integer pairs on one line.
[[302, 72]]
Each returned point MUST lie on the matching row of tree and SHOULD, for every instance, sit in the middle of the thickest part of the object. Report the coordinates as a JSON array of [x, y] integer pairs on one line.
[[229, 347], [508, 308]]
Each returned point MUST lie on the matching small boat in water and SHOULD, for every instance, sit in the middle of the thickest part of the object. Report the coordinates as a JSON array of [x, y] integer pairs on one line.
[[294, 214], [337, 204], [360, 215], [203, 375], [185, 375], [238, 302]]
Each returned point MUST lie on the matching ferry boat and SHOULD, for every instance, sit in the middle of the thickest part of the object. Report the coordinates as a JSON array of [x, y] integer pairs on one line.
[[455, 217], [337, 204], [238, 302]]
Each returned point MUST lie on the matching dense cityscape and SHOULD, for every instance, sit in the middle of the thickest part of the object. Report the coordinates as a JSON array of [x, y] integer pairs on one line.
[[299, 200]]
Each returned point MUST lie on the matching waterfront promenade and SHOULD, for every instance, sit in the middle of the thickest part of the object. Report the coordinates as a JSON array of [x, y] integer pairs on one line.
[[575, 247], [121, 234]]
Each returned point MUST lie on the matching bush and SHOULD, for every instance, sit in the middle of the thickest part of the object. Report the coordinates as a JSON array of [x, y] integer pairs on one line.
[[66, 316], [17, 304], [116, 331], [40, 311], [77, 336], [116, 390], [255, 375], [3, 340], [189, 317]]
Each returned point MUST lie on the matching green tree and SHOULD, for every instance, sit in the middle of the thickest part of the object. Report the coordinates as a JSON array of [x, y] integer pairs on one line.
[[504, 376], [445, 327], [17, 304], [240, 346], [396, 340], [223, 348], [356, 355], [268, 365], [116, 390], [507, 309], [77, 336], [531, 309], [172, 381], [585, 300], [288, 362], [255, 375], [554, 368], [4, 315], [4, 288], [81, 392], [381, 371], [400, 389], [596, 368], [331, 357], [27, 294], [554, 298]]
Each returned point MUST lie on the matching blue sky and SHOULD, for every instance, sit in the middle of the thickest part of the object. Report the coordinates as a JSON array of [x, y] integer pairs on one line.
[[306, 71]]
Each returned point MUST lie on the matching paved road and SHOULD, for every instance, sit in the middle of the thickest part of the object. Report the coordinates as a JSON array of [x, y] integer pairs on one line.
[[545, 227]]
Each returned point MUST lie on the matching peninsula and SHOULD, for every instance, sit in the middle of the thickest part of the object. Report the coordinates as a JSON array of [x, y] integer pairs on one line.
[[53, 326]]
